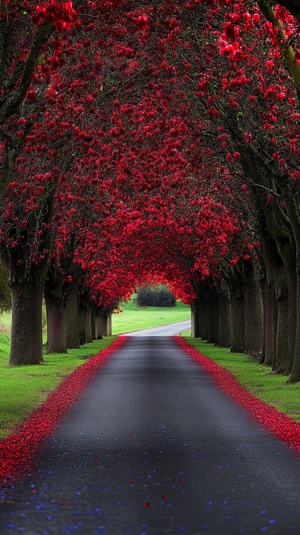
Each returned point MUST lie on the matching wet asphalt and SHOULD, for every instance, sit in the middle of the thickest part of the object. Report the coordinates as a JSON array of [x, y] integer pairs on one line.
[[153, 447]]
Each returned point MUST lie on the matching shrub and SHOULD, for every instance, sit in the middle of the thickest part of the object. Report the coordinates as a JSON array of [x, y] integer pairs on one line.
[[157, 296]]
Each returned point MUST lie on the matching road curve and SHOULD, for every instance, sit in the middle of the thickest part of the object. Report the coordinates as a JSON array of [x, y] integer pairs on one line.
[[153, 447], [164, 330]]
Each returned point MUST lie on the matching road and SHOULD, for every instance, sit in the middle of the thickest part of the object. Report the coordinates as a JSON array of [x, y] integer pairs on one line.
[[153, 447], [163, 330]]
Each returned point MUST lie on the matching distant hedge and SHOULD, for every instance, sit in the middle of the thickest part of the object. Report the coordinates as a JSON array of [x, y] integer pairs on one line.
[[155, 296]]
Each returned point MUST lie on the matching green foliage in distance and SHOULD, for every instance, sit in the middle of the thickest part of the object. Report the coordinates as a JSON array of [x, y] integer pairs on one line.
[[155, 296]]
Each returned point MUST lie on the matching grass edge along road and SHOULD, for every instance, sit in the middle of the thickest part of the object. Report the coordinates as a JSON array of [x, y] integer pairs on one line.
[[134, 318], [24, 388], [258, 379]]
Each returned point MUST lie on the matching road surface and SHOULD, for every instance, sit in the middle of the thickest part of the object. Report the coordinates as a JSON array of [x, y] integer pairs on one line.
[[163, 330], [153, 447]]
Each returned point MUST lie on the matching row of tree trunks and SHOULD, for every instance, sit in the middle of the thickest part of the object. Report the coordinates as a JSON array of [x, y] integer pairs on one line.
[[68, 325], [246, 315], [256, 313], [263, 297], [76, 323]]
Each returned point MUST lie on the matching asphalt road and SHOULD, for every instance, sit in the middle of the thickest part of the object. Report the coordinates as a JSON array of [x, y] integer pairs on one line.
[[163, 330], [153, 447]]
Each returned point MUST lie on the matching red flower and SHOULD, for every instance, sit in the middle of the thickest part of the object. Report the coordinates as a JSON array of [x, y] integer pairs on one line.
[[282, 426]]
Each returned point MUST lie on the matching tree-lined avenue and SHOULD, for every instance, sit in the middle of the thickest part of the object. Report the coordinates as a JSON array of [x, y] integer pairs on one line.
[[151, 141]]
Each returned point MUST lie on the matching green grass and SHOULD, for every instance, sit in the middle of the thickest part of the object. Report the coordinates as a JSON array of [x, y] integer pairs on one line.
[[24, 388], [134, 318], [5, 322], [256, 378]]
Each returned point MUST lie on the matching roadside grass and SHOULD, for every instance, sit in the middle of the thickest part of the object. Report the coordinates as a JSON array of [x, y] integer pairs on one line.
[[24, 388], [134, 317], [5, 322], [254, 377]]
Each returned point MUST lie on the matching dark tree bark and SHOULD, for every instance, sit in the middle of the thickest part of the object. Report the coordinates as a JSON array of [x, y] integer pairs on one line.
[[107, 324], [56, 327], [72, 317], [212, 319], [281, 267], [224, 337], [253, 313], [56, 313], [281, 358], [88, 325], [235, 281], [295, 374], [270, 312], [238, 325], [196, 319], [27, 280], [98, 325], [292, 319], [26, 332], [81, 323], [295, 224]]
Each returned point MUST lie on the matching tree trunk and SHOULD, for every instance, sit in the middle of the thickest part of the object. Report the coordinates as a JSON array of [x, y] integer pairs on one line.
[[238, 325], [224, 337], [253, 314], [56, 327], [270, 325], [81, 324], [56, 313], [107, 324], [292, 319], [293, 213], [88, 326], [281, 358], [72, 317], [295, 374], [277, 253], [26, 330], [196, 322], [98, 326], [212, 321]]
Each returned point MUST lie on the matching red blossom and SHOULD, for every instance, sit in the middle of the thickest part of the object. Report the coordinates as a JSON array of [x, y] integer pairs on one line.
[[62, 15], [282, 426]]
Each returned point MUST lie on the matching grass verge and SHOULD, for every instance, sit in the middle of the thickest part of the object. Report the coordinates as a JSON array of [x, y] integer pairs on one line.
[[254, 377], [24, 388], [134, 317]]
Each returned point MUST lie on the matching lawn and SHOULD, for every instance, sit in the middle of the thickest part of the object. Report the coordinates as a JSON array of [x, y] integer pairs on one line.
[[134, 318], [26, 387]]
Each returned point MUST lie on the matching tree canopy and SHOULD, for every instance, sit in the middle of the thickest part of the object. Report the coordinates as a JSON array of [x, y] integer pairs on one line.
[[151, 141]]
